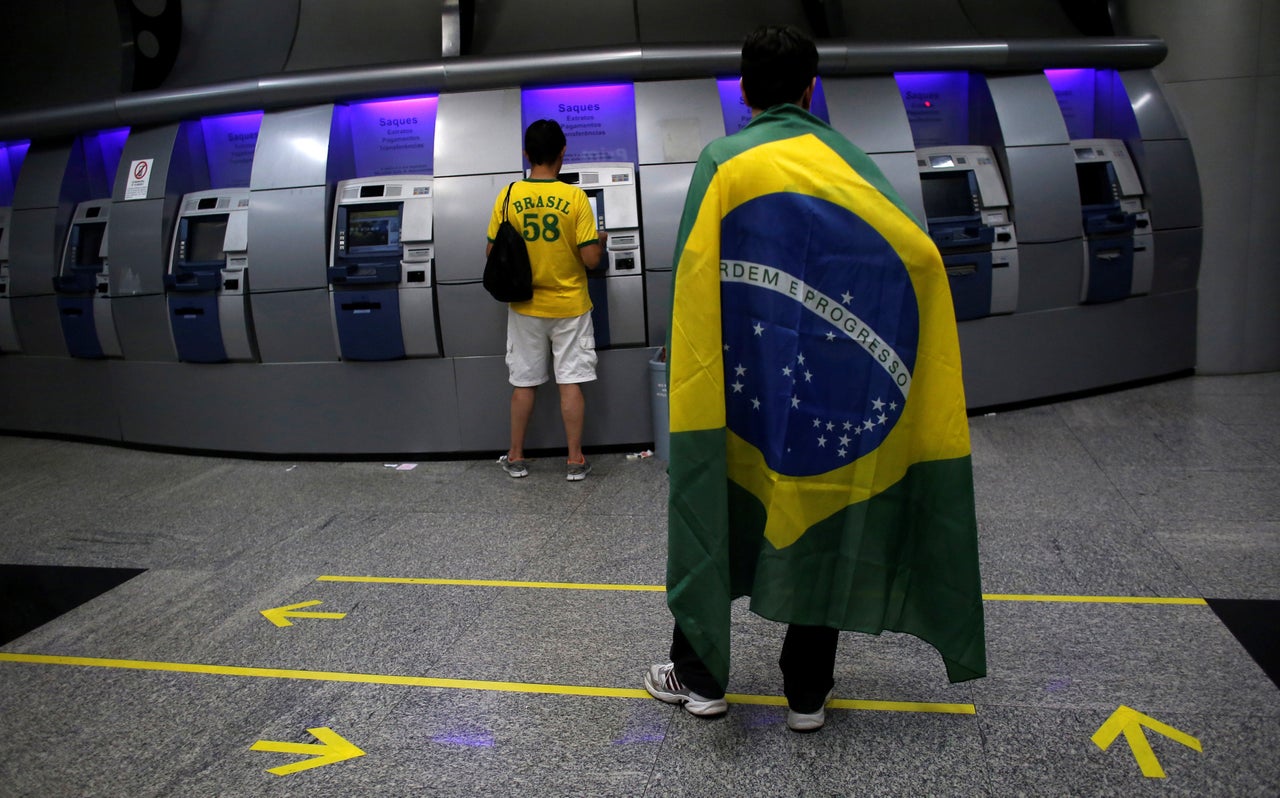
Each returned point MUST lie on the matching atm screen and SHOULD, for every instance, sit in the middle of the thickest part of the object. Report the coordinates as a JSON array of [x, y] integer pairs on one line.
[[88, 243], [373, 227], [205, 237], [1095, 183], [593, 197], [947, 194]]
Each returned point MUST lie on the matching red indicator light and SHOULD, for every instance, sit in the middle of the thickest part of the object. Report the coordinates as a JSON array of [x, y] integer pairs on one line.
[[928, 104]]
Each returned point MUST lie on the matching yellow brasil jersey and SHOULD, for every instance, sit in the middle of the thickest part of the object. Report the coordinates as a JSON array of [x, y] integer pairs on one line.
[[556, 220]]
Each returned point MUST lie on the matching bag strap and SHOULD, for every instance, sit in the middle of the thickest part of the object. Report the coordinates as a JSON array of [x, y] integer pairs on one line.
[[507, 202]]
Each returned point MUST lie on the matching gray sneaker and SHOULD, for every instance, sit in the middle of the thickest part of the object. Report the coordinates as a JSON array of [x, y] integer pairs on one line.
[[514, 468], [577, 471], [662, 684], [809, 721]]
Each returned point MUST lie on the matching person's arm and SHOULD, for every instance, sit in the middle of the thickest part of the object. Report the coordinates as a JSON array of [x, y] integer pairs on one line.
[[593, 253]]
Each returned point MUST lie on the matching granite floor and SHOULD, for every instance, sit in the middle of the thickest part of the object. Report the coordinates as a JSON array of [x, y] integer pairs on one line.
[[175, 684]]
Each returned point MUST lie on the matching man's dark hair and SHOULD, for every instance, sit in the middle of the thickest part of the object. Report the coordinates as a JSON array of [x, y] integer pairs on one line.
[[543, 141], [778, 63]]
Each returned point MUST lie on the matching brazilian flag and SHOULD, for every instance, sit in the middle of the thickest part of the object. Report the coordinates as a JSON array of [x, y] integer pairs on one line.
[[820, 459]]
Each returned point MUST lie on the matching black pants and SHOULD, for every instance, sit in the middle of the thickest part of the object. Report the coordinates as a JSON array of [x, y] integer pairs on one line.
[[808, 665]]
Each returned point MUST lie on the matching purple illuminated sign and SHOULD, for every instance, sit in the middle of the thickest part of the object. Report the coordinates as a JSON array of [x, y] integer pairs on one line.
[[394, 137], [599, 121], [230, 142], [102, 154], [737, 113], [11, 158], [937, 106]]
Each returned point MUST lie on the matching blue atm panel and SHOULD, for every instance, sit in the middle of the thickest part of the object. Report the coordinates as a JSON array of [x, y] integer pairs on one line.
[[1118, 246], [369, 324], [76, 315], [206, 283], [76, 284], [966, 207], [381, 280], [196, 330], [365, 276]]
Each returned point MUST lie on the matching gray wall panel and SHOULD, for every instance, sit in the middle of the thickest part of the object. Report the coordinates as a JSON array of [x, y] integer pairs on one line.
[[217, 44], [1050, 275], [662, 191], [293, 148], [58, 396], [1034, 355], [869, 112], [479, 132], [1027, 110], [1177, 266], [484, 408], [463, 206], [1168, 170], [676, 119], [903, 174], [472, 323], [39, 329], [157, 143], [142, 324], [310, 408], [657, 286], [39, 184], [1156, 118], [512, 26], [713, 20], [1042, 186], [617, 404], [141, 238], [35, 248], [339, 33], [288, 239], [294, 326]]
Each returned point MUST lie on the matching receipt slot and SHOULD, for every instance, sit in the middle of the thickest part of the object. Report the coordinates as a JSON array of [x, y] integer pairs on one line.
[[81, 284], [617, 284], [969, 219], [8, 330], [207, 283], [1118, 248], [380, 268]]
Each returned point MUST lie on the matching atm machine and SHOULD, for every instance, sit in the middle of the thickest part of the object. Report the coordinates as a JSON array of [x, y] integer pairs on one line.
[[8, 330], [970, 220], [207, 283], [1118, 248], [617, 284], [82, 282], [380, 268]]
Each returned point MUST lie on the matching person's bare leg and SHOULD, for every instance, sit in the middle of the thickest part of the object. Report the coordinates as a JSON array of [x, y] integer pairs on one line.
[[521, 412], [573, 410]]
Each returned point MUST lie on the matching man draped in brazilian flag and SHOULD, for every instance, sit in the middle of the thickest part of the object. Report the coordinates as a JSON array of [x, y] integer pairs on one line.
[[819, 456]]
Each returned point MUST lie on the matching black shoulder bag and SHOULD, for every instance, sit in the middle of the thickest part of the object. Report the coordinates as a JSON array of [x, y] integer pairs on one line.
[[507, 273]]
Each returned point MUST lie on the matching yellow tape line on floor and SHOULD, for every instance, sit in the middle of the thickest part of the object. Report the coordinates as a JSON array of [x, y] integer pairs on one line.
[[456, 684], [398, 580]]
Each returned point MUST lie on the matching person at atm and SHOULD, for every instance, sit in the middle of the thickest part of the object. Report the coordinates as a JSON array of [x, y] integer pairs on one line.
[[819, 457], [560, 232]]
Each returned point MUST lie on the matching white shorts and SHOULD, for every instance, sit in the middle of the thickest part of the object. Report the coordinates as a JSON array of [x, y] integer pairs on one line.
[[573, 344]]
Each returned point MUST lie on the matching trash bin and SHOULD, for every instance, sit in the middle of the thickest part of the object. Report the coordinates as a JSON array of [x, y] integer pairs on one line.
[[658, 397]]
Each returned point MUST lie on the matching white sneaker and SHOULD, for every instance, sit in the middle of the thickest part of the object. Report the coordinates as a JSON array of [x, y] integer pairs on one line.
[[662, 684], [809, 721]]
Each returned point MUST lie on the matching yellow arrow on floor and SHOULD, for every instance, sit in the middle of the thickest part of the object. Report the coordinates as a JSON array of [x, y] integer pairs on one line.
[[331, 748], [1130, 721], [280, 615]]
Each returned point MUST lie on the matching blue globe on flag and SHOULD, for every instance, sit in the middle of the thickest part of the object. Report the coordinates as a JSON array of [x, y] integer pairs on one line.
[[818, 359]]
